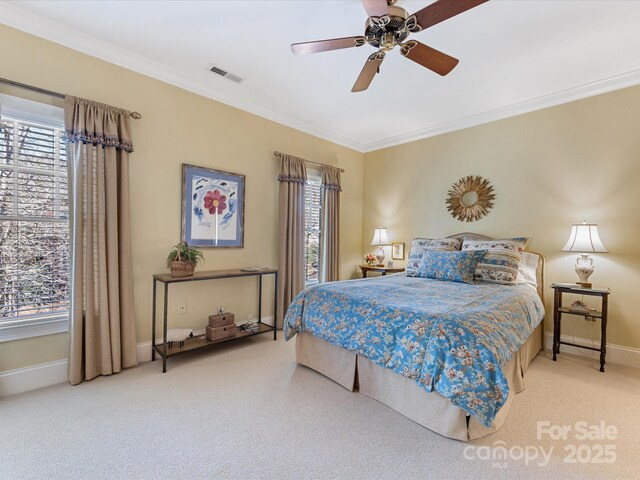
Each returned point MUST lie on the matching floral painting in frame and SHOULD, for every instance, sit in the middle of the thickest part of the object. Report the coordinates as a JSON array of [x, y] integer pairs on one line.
[[212, 207]]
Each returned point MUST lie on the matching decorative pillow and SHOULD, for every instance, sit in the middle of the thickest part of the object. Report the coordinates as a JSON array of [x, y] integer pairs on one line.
[[421, 245], [450, 266], [500, 263], [528, 268]]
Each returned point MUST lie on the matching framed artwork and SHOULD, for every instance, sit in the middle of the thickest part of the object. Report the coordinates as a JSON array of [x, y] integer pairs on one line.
[[212, 207], [397, 251]]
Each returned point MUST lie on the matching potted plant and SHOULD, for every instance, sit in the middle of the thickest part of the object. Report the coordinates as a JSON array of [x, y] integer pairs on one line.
[[370, 259], [182, 260]]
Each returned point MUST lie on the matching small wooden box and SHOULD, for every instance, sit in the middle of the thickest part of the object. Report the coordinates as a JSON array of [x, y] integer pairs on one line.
[[219, 333], [221, 319]]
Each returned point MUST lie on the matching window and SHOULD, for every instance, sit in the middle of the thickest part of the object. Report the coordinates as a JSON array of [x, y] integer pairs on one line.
[[312, 226], [34, 225]]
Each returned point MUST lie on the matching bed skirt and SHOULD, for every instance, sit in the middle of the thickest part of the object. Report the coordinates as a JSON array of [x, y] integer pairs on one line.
[[429, 409]]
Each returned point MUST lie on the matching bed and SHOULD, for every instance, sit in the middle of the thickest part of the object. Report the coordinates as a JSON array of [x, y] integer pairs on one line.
[[449, 356]]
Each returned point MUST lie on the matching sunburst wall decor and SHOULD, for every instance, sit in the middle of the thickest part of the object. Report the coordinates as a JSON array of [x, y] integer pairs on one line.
[[470, 198]]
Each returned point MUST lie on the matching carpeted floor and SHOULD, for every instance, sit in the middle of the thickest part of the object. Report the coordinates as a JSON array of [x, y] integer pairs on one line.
[[248, 411]]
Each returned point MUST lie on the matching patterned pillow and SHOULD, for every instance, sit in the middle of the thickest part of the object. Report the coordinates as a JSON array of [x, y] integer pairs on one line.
[[500, 263], [450, 266], [421, 245]]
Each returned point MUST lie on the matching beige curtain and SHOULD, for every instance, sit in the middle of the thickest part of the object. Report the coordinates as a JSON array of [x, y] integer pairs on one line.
[[102, 322], [293, 176], [330, 219]]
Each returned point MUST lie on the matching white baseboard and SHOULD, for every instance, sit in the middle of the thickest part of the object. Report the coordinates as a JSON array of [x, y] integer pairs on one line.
[[30, 378], [38, 376], [619, 354]]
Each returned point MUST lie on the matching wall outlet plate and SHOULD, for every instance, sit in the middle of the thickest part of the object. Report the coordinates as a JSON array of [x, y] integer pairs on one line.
[[182, 308]]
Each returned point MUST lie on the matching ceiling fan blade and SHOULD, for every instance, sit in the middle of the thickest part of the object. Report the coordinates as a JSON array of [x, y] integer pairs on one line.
[[376, 8], [428, 57], [371, 67], [440, 11], [326, 45]]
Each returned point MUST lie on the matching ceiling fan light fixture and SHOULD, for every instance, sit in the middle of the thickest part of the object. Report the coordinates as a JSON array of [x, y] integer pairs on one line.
[[388, 41]]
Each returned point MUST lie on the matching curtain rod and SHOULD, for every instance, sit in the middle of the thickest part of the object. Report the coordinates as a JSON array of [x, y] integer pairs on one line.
[[134, 115], [277, 154]]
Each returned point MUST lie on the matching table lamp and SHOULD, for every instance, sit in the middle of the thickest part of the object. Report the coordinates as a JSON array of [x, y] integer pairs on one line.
[[584, 238], [380, 238]]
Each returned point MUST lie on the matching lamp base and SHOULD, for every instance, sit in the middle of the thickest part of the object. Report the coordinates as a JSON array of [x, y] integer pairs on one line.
[[380, 256], [584, 269]]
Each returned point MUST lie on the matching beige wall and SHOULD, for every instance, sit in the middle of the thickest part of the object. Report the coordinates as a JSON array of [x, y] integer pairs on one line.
[[551, 168], [177, 127]]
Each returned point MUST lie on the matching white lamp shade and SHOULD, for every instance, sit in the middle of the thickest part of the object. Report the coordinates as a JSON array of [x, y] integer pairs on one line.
[[380, 237], [584, 238]]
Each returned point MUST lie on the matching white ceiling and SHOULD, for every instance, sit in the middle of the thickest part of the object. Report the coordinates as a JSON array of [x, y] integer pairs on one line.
[[515, 56]]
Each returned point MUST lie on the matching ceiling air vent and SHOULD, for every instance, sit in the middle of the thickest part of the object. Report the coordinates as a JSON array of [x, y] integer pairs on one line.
[[224, 73]]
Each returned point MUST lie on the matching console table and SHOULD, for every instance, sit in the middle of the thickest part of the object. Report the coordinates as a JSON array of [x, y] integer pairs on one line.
[[165, 351]]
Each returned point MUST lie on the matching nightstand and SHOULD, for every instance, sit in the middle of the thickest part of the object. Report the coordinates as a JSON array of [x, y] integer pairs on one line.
[[559, 310], [383, 270]]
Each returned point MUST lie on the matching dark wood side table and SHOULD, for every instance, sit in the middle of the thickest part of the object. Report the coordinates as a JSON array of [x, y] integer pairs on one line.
[[383, 270], [558, 310]]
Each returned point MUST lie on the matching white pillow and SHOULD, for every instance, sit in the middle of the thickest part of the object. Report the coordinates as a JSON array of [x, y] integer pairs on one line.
[[527, 269]]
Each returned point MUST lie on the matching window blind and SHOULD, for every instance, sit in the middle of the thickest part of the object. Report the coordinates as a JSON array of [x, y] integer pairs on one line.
[[312, 206], [34, 225]]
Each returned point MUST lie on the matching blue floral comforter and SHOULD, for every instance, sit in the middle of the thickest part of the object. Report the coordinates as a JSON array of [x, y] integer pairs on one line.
[[449, 337]]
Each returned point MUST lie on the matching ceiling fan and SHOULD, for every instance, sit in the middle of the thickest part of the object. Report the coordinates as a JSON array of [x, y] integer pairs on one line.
[[388, 26]]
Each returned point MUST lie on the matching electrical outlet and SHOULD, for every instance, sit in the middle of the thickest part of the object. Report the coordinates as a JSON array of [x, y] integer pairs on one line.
[[182, 308]]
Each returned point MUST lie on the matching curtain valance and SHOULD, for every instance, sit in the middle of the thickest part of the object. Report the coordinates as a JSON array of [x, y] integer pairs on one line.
[[292, 169], [91, 122], [331, 178]]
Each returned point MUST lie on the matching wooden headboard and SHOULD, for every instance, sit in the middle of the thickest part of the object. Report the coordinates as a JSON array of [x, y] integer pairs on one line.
[[539, 269]]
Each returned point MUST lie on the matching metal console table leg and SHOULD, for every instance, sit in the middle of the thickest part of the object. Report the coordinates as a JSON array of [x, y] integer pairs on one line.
[[164, 329], [275, 304], [153, 325]]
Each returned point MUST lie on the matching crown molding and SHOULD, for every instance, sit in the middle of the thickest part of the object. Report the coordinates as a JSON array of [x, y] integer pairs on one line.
[[598, 87], [39, 26]]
